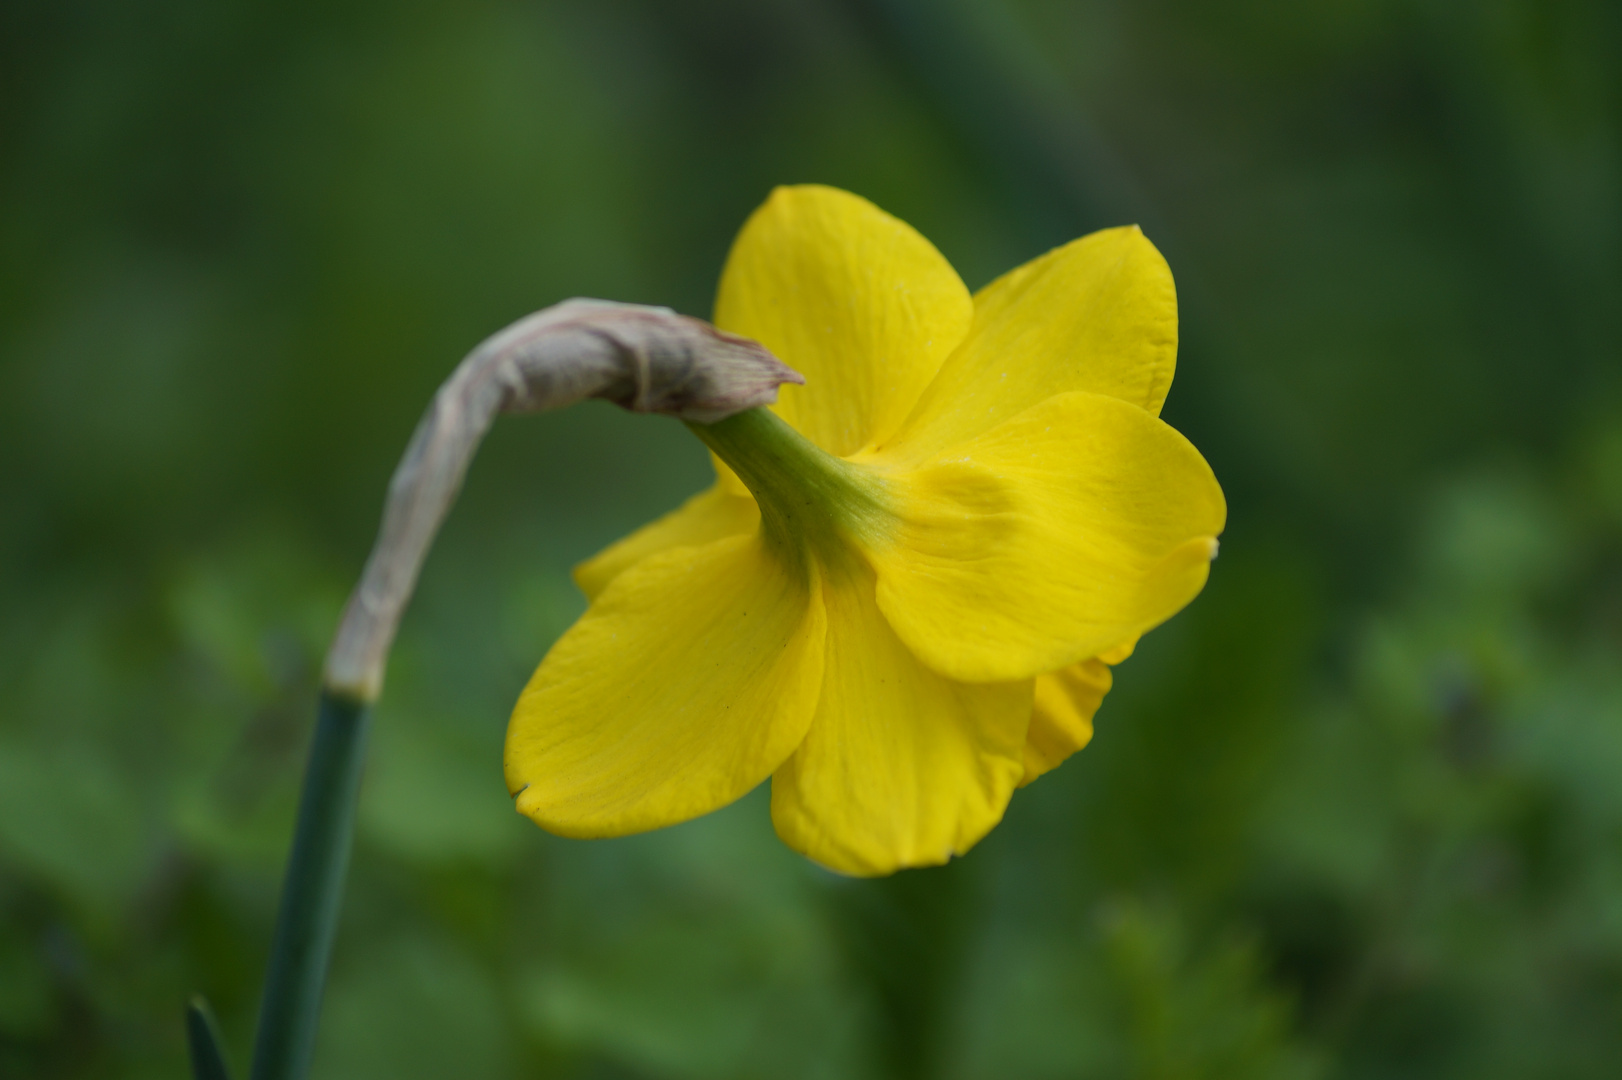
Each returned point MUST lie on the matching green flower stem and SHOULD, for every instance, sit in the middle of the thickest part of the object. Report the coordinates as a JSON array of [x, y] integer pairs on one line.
[[803, 490], [645, 359], [312, 892]]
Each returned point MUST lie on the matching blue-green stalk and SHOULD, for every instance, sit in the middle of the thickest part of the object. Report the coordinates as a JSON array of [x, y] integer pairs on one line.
[[644, 359], [312, 891]]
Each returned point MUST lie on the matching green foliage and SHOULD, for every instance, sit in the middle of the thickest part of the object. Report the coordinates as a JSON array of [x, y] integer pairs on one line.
[[1354, 814]]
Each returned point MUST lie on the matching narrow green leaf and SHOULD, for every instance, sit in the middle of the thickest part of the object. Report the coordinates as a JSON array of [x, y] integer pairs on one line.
[[203, 1037]]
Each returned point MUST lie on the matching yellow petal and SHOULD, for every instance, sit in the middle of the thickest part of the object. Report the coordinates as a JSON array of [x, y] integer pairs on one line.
[[850, 297], [693, 676], [1064, 532], [1119, 652], [1062, 716], [1099, 315], [901, 767], [706, 517]]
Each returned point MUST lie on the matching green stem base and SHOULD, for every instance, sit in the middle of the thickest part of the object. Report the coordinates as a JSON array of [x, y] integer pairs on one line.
[[312, 892]]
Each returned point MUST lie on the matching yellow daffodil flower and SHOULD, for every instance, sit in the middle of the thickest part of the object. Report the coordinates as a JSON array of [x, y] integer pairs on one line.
[[901, 597]]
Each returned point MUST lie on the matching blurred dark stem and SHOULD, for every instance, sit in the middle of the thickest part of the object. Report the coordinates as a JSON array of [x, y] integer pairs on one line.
[[312, 892], [905, 939], [203, 1039]]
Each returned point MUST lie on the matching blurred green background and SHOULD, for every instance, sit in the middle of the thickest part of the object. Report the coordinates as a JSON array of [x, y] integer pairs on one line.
[[1357, 813]]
